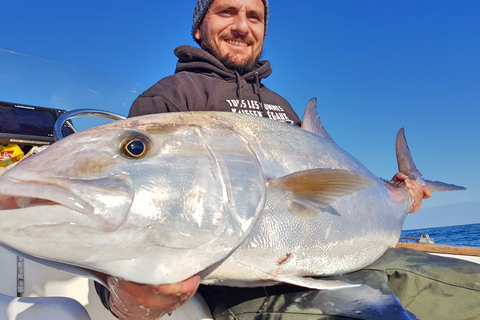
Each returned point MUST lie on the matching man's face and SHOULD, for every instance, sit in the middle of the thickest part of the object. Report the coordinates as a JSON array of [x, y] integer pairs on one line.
[[233, 31]]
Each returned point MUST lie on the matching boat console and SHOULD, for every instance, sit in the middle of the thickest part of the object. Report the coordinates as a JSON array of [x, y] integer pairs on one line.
[[29, 125]]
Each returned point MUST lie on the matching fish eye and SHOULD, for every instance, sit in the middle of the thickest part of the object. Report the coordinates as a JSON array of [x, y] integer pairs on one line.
[[135, 147]]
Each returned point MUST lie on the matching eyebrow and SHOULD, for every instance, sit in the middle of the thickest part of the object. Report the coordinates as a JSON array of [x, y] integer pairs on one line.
[[221, 7]]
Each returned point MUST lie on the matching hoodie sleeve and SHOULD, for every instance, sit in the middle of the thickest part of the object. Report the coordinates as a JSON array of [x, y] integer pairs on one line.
[[167, 95], [147, 104]]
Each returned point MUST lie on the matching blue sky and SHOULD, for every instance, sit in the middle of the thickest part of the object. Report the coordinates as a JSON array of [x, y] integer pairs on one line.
[[375, 66]]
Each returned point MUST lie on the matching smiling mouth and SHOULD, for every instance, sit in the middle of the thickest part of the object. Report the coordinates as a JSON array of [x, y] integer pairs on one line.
[[237, 43]]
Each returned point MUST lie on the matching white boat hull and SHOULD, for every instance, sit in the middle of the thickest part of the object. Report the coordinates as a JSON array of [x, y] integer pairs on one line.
[[41, 281]]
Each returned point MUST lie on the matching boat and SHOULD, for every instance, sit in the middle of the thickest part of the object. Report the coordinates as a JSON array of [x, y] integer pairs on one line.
[[471, 254], [25, 284]]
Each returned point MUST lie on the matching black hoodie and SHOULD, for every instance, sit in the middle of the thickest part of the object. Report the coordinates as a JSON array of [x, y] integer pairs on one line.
[[202, 83]]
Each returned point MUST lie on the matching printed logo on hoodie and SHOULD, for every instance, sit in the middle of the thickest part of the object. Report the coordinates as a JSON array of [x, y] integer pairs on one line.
[[253, 108]]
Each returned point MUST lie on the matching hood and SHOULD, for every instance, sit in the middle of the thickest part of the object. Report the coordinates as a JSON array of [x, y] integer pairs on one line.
[[199, 61]]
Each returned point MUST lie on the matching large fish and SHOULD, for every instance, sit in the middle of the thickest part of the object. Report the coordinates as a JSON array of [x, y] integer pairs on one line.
[[242, 200]]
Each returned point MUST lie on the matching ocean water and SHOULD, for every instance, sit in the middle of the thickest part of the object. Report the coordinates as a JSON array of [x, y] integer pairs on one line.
[[463, 235]]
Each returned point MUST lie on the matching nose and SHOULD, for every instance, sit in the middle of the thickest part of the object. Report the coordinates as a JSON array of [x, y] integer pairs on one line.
[[240, 24]]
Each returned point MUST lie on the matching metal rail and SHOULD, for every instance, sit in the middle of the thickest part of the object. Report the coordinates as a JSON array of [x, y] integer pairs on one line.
[[57, 132]]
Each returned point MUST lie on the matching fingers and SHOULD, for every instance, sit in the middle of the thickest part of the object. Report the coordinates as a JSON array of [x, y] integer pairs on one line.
[[135, 301], [415, 190], [187, 286], [415, 194], [399, 176], [427, 193]]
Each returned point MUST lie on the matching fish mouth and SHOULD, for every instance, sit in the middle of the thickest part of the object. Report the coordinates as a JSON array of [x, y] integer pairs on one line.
[[10, 203], [12, 200], [101, 204]]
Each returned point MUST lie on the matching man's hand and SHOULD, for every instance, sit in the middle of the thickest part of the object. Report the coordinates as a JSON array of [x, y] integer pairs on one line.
[[134, 301], [415, 190]]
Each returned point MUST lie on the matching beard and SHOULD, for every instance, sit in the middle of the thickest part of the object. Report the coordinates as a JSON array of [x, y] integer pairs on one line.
[[242, 67], [249, 65]]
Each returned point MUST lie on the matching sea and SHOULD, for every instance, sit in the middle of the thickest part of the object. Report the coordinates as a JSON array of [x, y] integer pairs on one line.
[[462, 235]]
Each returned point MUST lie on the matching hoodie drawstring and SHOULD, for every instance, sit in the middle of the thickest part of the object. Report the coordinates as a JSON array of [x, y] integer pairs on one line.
[[239, 87], [260, 95], [240, 95]]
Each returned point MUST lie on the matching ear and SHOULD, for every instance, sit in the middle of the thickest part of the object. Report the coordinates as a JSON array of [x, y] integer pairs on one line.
[[198, 34]]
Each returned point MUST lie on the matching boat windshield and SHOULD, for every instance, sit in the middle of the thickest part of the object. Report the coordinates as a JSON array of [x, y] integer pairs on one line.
[[33, 80]]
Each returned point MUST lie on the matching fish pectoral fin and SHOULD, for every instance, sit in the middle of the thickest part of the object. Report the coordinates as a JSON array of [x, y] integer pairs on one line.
[[312, 283], [308, 190]]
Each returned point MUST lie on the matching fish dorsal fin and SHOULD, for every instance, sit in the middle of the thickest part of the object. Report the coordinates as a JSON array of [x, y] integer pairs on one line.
[[307, 191], [312, 123]]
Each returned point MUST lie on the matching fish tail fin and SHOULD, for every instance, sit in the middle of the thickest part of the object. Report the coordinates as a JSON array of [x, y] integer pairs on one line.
[[407, 166]]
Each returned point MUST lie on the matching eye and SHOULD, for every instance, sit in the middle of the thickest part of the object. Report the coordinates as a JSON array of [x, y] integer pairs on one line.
[[226, 13], [135, 147]]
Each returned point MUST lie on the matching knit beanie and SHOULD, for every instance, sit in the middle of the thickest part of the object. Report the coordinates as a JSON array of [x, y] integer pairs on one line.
[[201, 9]]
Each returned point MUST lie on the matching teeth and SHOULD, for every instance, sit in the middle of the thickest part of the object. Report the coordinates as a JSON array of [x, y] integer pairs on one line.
[[236, 43]]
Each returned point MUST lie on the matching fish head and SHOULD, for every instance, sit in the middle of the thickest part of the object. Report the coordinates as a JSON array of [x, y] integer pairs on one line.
[[152, 199]]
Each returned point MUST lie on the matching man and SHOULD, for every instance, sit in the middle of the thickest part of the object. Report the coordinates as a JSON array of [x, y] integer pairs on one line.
[[224, 75]]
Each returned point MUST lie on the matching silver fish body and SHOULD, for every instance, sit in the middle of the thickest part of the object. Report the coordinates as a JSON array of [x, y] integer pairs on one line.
[[297, 235], [240, 199]]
